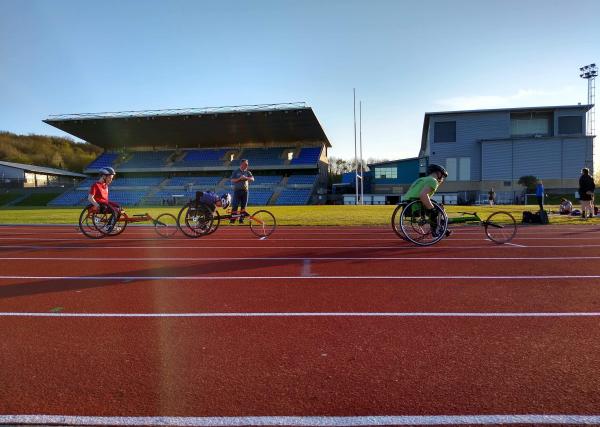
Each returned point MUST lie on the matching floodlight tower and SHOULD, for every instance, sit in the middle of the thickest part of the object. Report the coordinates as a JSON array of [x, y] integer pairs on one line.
[[590, 72]]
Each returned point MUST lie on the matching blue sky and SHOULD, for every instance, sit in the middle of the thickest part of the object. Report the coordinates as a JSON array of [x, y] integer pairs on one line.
[[404, 58]]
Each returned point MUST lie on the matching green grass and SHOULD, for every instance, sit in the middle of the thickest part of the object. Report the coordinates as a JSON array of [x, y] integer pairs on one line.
[[285, 215]]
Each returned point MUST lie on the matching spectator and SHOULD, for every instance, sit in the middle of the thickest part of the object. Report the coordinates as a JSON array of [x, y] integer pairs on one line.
[[566, 207], [539, 194], [586, 193], [491, 197], [240, 179]]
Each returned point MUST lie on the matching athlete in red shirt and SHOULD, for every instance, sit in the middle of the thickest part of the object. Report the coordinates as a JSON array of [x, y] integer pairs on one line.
[[99, 190]]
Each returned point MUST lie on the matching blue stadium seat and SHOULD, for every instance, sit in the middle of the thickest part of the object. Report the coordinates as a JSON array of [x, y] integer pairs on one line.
[[264, 156], [70, 198], [147, 159], [307, 156], [201, 158], [302, 179], [294, 197], [105, 159]]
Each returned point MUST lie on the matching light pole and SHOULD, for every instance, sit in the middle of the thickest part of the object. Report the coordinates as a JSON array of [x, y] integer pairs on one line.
[[590, 72]]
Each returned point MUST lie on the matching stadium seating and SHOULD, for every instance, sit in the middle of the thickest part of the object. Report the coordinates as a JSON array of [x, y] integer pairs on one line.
[[302, 180], [146, 159], [196, 181], [263, 156], [106, 159], [267, 180], [70, 198], [294, 197], [127, 198], [201, 158], [307, 156], [137, 181], [86, 183], [259, 197]]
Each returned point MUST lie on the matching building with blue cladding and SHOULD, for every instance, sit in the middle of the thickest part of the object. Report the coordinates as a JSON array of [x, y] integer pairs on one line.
[[484, 149]]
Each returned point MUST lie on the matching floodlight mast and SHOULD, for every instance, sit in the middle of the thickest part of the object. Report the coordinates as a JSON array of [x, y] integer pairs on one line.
[[355, 154], [589, 73], [362, 170]]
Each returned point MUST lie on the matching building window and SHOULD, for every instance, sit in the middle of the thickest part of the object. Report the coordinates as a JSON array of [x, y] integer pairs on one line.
[[386, 173], [444, 132], [530, 124], [464, 169], [451, 168], [507, 183], [570, 125]]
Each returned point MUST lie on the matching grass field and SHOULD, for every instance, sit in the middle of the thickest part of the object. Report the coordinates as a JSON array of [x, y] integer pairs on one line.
[[285, 215]]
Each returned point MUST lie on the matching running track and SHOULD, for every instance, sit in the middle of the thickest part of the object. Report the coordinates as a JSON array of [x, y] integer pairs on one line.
[[313, 326]]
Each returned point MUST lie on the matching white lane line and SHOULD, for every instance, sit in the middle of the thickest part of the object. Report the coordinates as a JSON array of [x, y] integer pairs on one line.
[[374, 420], [514, 244], [299, 258], [230, 278], [303, 314]]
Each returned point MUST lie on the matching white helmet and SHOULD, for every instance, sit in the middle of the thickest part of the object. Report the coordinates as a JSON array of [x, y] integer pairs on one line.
[[225, 200], [107, 171]]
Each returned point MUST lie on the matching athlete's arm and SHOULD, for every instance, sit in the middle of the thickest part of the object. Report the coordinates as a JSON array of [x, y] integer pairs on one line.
[[424, 197]]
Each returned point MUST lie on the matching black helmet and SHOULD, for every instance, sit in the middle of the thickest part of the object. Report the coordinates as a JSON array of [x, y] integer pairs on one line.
[[437, 168]]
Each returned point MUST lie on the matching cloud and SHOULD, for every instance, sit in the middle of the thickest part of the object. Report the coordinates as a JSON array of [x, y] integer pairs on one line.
[[566, 95]]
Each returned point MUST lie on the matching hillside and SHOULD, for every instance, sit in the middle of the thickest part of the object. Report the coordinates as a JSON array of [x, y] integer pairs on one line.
[[50, 151]]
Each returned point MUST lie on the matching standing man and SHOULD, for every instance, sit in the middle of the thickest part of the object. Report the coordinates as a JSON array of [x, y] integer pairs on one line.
[[240, 178], [491, 197], [586, 193], [539, 194]]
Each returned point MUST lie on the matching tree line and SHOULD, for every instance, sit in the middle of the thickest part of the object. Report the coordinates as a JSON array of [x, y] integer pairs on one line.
[[48, 151]]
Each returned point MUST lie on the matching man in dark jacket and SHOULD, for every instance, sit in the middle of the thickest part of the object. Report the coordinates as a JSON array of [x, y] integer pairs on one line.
[[586, 193]]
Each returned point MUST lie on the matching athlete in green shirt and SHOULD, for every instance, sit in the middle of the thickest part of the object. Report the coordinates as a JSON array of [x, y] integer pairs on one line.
[[423, 188]]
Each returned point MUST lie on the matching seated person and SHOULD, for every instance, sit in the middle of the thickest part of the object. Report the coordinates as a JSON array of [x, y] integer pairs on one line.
[[566, 207], [423, 188], [212, 200]]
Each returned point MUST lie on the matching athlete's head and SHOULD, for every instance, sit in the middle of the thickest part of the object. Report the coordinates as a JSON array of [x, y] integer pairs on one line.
[[439, 171], [107, 174], [225, 200]]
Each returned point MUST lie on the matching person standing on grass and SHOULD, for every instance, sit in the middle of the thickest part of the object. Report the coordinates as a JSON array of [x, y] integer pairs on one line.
[[491, 197], [586, 193], [240, 179], [539, 194]]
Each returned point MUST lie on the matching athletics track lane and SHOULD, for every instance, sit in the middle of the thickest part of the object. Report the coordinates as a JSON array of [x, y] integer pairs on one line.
[[320, 366]]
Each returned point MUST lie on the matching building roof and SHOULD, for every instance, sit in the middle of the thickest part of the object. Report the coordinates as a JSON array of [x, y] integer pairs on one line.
[[197, 128], [392, 161], [585, 108], [41, 169]]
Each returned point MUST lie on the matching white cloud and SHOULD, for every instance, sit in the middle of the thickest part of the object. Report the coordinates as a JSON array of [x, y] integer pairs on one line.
[[566, 95]]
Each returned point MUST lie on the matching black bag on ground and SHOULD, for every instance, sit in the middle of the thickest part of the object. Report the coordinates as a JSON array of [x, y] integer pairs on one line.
[[527, 217]]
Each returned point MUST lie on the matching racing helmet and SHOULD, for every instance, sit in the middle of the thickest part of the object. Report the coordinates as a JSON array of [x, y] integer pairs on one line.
[[437, 168], [107, 171], [225, 200]]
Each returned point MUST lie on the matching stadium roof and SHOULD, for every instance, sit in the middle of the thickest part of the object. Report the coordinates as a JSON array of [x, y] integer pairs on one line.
[[193, 127], [41, 169]]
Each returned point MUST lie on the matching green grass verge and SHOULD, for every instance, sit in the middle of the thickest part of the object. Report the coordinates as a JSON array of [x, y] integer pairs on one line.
[[40, 199], [285, 215], [8, 197]]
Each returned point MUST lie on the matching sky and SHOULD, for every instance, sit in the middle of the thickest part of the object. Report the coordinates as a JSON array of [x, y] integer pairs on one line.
[[404, 58]]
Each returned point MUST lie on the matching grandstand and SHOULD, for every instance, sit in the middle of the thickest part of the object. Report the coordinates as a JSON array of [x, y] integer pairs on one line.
[[165, 156]]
